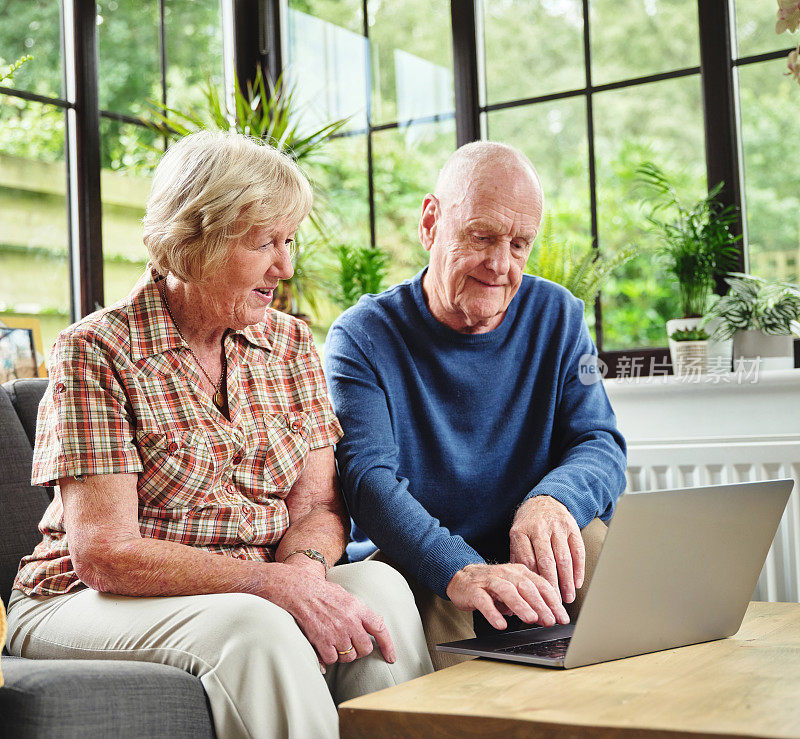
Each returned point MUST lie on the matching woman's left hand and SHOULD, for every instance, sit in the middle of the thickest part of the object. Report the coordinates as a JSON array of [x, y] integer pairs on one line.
[[310, 567], [338, 625]]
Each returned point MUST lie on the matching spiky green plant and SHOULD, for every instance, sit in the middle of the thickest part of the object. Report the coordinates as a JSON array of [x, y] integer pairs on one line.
[[269, 111], [690, 334], [362, 271], [755, 303], [582, 271], [698, 243]]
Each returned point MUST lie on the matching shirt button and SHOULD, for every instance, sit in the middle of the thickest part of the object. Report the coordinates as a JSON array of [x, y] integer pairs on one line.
[[237, 458], [172, 448], [60, 387], [230, 488], [296, 426]]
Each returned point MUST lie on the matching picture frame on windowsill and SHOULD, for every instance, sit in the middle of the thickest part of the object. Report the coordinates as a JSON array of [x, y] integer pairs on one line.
[[21, 352]]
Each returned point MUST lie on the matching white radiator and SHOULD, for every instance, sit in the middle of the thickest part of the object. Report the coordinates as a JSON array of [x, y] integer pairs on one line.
[[664, 464]]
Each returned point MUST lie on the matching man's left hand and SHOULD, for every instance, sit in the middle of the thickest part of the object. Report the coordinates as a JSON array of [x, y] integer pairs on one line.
[[545, 538]]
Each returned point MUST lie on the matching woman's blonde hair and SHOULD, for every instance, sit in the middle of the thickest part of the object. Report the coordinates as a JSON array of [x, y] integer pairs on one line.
[[210, 188]]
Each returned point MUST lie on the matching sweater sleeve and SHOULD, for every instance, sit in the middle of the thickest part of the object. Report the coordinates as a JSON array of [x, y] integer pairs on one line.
[[590, 473], [379, 500]]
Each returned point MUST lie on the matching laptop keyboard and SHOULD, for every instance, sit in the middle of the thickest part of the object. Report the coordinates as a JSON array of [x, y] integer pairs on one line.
[[555, 649]]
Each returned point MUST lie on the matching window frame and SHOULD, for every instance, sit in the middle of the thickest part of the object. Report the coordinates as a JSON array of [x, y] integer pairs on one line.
[[261, 43]]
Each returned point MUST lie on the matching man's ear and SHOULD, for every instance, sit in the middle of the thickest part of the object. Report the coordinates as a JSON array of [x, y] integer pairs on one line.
[[428, 221]]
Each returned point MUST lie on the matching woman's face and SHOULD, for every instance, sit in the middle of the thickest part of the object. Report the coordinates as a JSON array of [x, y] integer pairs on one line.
[[244, 286]]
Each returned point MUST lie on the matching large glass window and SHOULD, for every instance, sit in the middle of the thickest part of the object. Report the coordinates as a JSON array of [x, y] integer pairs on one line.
[[768, 103], [395, 85], [558, 87], [587, 141], [150, 53], [34, 238]]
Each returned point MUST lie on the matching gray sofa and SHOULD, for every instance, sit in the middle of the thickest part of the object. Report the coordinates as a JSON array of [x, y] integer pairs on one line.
[[74, 698]]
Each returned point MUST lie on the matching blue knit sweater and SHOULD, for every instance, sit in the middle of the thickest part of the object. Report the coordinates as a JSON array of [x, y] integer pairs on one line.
[[445, 434]]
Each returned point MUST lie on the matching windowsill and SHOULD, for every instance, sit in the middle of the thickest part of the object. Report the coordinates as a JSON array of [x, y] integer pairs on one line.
[[723, 382], [707, 406]]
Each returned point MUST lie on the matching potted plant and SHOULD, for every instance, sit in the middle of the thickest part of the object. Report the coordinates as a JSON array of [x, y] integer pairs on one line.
[[689, 351], [362, 270], [698, 245], [761, 316]]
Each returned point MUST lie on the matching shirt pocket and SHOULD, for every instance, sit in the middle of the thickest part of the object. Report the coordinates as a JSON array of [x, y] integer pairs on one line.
[[177, 469], [283, 450]]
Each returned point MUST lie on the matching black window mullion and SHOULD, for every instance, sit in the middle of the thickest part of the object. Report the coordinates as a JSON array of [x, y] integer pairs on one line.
[[368, 85], [722, 147], [87, 253], [465, 71], [248, 46], [587, 53]]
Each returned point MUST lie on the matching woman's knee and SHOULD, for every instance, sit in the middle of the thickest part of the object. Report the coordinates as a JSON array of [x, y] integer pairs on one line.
[[377, 584], [246, 624]]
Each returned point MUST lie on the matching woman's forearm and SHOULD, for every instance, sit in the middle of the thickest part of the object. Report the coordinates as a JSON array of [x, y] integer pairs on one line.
[[138, 566], [323, 528]]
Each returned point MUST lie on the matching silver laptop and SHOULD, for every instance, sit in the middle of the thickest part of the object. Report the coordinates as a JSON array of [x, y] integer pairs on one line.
[[677, 567]]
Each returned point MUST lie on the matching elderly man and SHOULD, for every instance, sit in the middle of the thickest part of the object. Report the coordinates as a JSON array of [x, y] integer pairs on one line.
[[474, 456]]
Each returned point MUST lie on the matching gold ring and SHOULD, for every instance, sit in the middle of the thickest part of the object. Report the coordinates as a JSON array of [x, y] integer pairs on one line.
[[346, 651]]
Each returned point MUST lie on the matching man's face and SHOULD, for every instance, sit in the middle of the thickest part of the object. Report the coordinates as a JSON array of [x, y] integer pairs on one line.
[[480, 242]]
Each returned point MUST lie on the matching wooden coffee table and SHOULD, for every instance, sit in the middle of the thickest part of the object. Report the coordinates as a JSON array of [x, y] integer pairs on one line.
[[748, 685]]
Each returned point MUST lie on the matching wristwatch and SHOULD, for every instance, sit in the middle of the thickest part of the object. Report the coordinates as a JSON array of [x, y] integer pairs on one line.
[[311, 554]]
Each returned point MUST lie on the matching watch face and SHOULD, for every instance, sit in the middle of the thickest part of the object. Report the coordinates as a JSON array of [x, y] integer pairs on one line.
[[315, 555]]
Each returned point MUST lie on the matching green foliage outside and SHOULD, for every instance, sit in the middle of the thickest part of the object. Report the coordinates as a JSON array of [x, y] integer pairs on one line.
[[659, 122]]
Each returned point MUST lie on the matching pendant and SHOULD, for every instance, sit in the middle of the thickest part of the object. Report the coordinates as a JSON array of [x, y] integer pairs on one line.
[[219, 401]]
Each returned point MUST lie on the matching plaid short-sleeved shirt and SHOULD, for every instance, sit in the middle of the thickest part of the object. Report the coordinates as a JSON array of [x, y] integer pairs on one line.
[[125, 397]]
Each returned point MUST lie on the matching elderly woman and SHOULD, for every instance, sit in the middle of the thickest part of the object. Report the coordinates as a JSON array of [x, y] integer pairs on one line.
[[189, 435]]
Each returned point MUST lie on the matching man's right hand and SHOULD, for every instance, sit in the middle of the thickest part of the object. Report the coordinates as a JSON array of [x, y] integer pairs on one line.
[[508, 587]]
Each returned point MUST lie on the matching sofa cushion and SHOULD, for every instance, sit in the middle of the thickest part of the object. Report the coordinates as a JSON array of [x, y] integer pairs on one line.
[[21, 505], [100, 698], [25, 396]]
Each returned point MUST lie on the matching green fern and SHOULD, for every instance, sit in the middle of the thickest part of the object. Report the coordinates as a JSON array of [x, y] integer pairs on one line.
[[8, 74], [582, 271]]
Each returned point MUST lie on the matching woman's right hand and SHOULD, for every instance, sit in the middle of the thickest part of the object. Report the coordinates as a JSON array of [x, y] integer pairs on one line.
[[333, 620]]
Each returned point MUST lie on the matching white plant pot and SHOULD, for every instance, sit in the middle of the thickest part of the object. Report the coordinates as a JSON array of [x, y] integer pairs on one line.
[[690, 357], [679, 324], [720, 353], [770, 352]]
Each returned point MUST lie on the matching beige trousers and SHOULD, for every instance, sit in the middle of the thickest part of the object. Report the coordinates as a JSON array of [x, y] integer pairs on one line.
[[443, 622], [259, 671]]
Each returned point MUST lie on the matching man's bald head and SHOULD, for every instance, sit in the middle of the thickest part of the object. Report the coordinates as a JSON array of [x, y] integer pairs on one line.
[[486, 163], [479, 227]]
